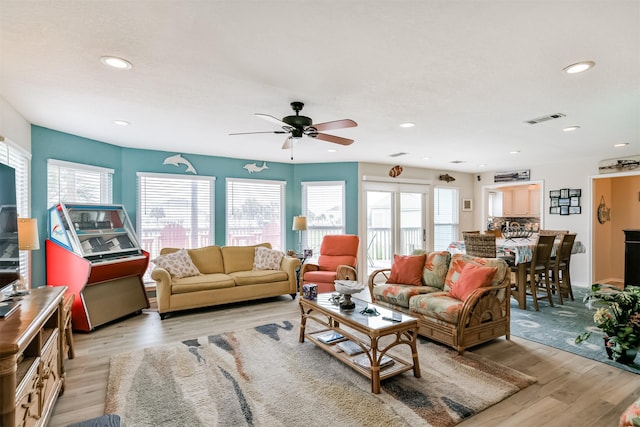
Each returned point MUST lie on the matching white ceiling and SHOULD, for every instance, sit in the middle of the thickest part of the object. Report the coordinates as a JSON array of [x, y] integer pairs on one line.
[[468, 73]]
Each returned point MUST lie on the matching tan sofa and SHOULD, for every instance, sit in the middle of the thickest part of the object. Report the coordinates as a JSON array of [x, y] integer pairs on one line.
[[482, 316], [226, 276]]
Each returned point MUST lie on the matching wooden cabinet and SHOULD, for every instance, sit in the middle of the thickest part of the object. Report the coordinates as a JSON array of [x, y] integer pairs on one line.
[[32, 375], [521, 202]]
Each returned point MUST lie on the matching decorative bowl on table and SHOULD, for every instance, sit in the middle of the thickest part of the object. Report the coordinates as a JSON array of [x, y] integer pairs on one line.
[[348, 288], [517, 233]]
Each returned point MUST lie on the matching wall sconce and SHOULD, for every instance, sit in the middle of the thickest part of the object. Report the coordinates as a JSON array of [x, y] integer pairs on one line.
[[299, 225]]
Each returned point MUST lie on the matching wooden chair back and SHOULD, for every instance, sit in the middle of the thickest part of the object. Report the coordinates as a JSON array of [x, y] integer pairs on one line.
[[553, 232], [542, 253], [563, 254], [480, 245]]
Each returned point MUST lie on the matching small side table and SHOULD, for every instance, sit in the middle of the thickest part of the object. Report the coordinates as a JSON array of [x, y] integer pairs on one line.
[[302, 259], [67, 339]]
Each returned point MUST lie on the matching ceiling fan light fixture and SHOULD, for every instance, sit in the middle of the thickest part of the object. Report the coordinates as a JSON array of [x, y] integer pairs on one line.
[[117, 63], [579, 67]]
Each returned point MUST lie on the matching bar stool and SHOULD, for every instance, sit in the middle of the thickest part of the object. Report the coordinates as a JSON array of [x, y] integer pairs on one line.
[[538, 269], [560, 277]]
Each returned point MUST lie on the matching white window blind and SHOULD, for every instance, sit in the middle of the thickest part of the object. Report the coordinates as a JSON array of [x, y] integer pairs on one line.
[[19, 159], [174, 211], [323, 203], [76, 182], [255, 212], [445, 217]]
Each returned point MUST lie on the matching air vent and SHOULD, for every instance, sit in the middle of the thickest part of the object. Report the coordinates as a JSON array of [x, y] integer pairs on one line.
[[398, 154], [458, 161], [545, 118]]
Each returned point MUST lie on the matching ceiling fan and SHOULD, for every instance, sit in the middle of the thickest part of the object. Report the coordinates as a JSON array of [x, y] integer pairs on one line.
[[297, 126]]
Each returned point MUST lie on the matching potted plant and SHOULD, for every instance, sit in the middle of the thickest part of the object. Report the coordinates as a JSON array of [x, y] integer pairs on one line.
[[618, 316]]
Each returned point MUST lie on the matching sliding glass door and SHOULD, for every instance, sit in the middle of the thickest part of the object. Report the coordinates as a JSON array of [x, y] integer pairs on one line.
[[396, 221]]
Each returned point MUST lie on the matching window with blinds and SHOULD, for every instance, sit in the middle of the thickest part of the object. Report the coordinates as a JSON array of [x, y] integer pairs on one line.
[[445, 217], [174, 211], [19, 159], [76, 182], [255, 212], [323, 203]]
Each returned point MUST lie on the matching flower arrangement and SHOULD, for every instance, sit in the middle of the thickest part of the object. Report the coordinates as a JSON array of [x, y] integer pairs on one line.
[[618, 316]]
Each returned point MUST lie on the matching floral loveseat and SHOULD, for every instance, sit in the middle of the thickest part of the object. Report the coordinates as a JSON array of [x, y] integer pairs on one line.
[[460, 301], [213, 275]]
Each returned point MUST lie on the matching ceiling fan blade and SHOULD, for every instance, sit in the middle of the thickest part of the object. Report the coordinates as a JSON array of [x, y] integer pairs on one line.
[[332, 138], [336, 124], [288, 143], [272, 120], [251, 133]]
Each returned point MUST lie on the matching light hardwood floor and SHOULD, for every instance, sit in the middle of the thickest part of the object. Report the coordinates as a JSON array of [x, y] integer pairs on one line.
[[571, 390]]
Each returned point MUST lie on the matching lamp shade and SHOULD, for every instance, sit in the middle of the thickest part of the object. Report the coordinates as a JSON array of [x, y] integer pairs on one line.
[[28, 234], [299, 223]]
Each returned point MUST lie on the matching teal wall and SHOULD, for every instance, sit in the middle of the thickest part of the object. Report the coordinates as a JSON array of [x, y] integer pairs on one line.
[[126, 162]]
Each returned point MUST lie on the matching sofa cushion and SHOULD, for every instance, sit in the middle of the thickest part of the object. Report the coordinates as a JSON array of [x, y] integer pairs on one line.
[[267, 259], [471, 278], [407, 269], [178, 264], [253, 277], [208, 259], [458, 262], [435, 268], [400, 294], [438, 305], [203, 282], [320, 276], [239, 258]]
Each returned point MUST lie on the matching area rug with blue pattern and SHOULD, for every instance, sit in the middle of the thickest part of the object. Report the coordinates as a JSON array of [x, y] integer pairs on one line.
[[558, 327], [264, 376]]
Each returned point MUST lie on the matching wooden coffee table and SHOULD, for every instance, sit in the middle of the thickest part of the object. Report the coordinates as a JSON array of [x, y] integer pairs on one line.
[[403, 330]]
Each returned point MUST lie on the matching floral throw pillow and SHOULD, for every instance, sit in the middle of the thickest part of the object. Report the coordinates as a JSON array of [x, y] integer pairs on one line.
[[267, 259], [177, 263]]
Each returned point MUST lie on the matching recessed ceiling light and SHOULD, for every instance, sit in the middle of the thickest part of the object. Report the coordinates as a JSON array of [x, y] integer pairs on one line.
[[121, 122], [115, 62], [571, 128], [579, 67], [332, 150], [407, 125], [426, 158], [514, 152], [621, 144], [482, 166]]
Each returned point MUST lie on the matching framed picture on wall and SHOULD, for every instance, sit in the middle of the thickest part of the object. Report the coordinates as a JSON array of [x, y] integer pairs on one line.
[[575, 201], [564, 193], [575, 209], [554, 210], [564, 210], [575, 192], [555, 202], [467, 205], [564, 202], [554, 193]]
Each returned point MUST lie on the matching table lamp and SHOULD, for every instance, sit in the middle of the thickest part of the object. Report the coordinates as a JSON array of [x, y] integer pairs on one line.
[[28, 240], [299, 225]]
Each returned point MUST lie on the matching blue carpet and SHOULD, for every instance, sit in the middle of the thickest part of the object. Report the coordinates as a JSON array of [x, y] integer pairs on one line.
[[559, 325]]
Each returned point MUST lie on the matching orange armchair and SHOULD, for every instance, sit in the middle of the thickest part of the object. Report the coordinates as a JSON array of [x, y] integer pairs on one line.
[[337, 261]]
